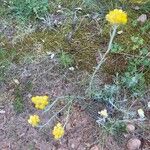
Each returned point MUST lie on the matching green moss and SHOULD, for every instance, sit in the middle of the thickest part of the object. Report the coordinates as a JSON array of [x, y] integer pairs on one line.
[[115, 63], [85, 42], [18, 103], [147, 77], [83, 45]]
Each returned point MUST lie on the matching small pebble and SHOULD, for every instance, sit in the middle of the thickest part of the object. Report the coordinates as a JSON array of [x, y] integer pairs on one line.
[[133, 144], [71, 68], [120, 32], [148, 104], [130, 128], [2, 111], [94, 148], [142, 18], [136, 8], [52, 56], [59, 6], [16, 81]]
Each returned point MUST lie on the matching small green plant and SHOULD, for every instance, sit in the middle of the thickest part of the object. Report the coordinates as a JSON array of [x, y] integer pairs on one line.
[[106, 94], [133, 78], [115, 127], [134, 23], [145, 28], [25, 9], [137, 42], [18, 103], [146, 7], [116, 48], [28, 86], [4, 66], [6, 59], [135, 82], [66, 59], [3, 11]]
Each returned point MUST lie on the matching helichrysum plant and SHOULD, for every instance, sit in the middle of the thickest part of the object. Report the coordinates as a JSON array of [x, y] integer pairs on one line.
[[34, 120], [58, 131], [40, 101], [115, 17]]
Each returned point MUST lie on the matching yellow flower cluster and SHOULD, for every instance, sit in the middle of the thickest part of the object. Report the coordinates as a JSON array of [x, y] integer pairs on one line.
[[34, 120], [40, 101], [116, 17], [58, 131]]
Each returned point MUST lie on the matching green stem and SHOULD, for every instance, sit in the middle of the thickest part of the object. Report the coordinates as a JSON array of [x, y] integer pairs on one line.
[[104, 56]]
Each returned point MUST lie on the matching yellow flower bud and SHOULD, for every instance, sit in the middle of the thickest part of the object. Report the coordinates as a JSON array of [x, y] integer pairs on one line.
[[34, 120], [58, 131], [40, 101]]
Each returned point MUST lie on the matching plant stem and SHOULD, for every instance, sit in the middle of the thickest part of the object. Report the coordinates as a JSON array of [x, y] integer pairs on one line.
[[104, 56], [68, 114], [41, 126]]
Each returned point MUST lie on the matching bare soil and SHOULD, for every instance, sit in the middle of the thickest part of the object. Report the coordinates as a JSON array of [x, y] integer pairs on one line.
[[47, 77]]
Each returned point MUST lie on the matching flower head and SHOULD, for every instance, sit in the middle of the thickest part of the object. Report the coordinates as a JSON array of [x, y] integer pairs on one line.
[[34, 120], [141, 113], [103, 113], [117, 16], [58, 131], [40, 101]]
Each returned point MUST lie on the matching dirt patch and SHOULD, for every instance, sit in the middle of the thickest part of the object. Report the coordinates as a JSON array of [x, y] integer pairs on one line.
[[81, 133], [46, 76]]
